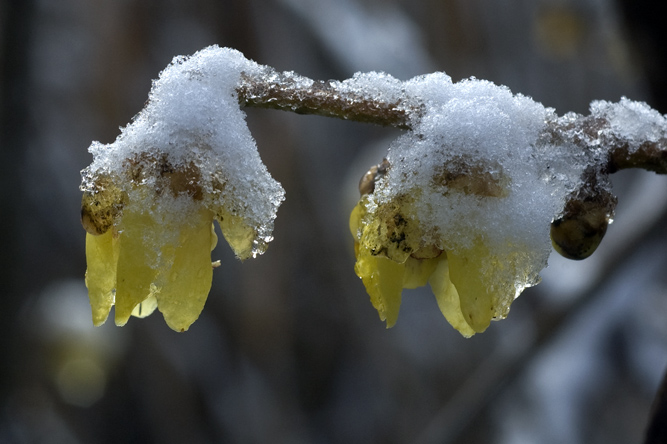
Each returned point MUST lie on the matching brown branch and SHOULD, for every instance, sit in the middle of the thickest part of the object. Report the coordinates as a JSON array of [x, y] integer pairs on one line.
[[593, 132], [650, 156], [291, 92], [607, 138]]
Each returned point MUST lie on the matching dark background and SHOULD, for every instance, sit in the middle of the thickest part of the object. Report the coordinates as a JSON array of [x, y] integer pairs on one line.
[[288, 348]]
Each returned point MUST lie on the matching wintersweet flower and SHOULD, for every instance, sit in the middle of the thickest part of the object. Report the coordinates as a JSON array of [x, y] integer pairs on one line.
[[126, 271], [469, 200], [150, 246], [150, 198], [472, 285]]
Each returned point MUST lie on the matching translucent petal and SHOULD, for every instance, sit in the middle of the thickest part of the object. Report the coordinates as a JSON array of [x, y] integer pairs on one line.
[[488, 281], [383, 279], [101, 259], [145, 307], [239, 235], [187, 283], [448, 298], [471, 273], [135, 275], [418, 271]]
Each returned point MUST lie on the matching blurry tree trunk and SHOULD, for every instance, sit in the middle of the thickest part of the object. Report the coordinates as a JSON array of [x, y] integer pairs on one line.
[[16, 16]]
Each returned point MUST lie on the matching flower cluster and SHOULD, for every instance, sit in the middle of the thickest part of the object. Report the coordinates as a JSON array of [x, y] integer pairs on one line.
[[150, 198], [474, 284], [466, 199]]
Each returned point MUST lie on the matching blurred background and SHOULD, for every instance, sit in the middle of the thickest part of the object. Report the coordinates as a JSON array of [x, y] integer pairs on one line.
[[289, 348]]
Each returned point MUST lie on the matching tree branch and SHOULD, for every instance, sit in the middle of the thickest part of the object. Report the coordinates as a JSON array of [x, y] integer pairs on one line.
[[291, 92], [593, 132]]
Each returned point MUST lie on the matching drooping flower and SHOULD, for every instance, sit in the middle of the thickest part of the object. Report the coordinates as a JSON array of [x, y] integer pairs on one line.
[[472, 285], [465, 202], [150, 246], [150, 198]]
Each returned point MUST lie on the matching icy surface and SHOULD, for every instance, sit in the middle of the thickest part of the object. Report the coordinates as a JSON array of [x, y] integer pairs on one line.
[[192, 127]]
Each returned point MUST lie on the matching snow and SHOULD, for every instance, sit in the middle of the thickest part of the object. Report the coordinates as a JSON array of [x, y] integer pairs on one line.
[[193, 123], [635, 122]]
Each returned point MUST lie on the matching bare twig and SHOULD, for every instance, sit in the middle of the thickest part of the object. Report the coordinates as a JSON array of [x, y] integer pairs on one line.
[[291, 92]]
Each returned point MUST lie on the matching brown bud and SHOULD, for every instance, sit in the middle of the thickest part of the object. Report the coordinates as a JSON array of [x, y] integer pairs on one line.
[[367, 182], [579, 231], [158, 168], [578, 238]]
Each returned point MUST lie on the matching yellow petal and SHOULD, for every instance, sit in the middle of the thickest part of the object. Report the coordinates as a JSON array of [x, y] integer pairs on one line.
[[476, 291], [383, 279], [488, 280], [135, 275], [101, 259], [239, 235], [418, 271], [391, 230], [448, 298], [145, 307], [188, 282]]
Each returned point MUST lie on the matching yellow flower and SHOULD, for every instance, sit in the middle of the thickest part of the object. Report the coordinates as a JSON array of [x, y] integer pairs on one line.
[[150, 197], [149, 241], [473, 284], [119, 274]]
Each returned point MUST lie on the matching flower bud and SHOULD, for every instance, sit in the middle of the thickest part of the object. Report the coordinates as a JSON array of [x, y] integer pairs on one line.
[[578, 232]]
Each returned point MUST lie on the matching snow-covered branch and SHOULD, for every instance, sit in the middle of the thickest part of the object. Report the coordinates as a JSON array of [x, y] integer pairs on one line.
[[288, 91], [472, 152], [639, 141], [470, 198], [632, 135]]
